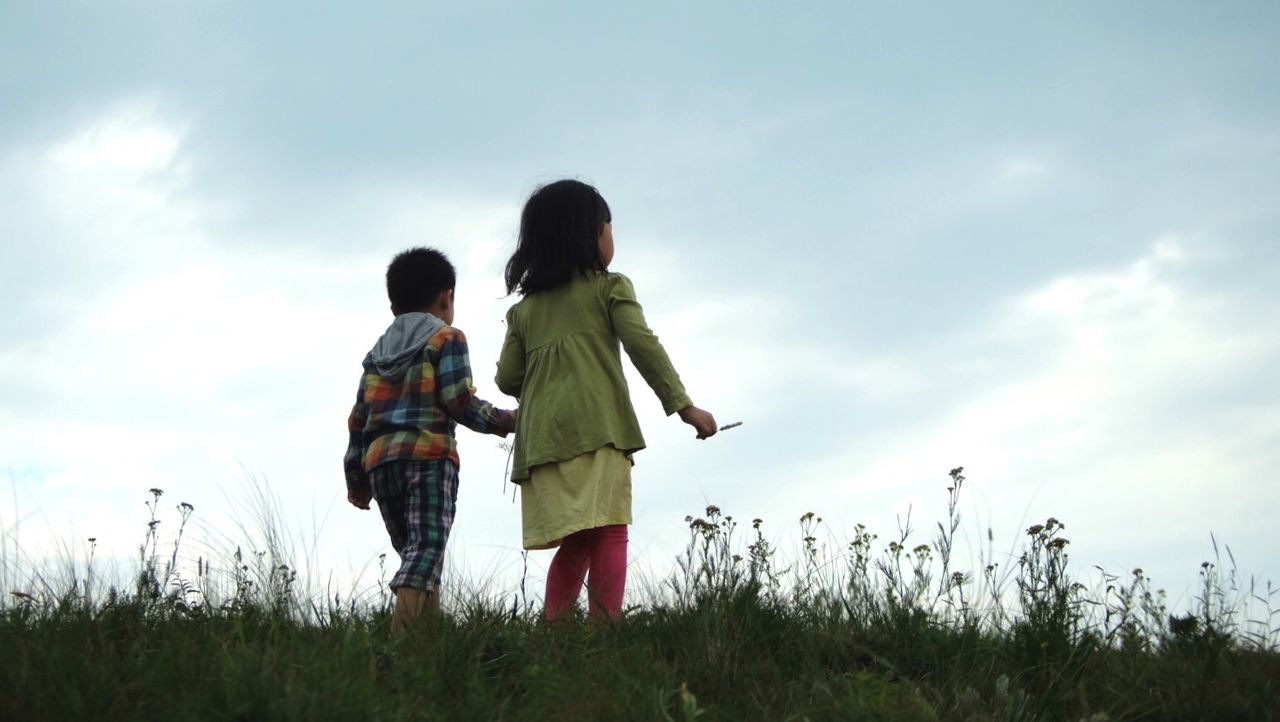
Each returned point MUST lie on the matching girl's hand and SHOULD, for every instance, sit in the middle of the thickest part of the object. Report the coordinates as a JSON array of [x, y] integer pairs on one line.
[[703, 422]]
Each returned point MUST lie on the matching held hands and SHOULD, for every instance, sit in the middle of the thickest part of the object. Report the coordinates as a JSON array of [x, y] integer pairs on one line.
[[702, 422], [507, 423]]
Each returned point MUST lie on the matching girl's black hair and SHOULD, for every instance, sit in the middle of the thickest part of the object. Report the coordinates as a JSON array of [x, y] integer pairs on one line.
[[559, 236]]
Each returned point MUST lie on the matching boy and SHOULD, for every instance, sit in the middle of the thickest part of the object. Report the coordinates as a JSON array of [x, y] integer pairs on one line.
[[415, 389]]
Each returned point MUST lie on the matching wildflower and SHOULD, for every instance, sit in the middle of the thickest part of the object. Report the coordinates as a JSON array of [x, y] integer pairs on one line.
[[186, 508], [713, 510], [1059, 543], [755, 523], [1035, 529], [155, 492]]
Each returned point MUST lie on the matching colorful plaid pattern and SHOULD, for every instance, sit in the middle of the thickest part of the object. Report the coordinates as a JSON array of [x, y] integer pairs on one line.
[[417, 499], [414, 417]]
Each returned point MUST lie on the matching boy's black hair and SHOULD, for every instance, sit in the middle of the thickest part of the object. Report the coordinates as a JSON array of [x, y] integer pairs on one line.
[[559, 236], [416, 277]]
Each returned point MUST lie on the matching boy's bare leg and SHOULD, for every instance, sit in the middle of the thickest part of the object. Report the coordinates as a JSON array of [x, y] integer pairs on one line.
[[410, 605]]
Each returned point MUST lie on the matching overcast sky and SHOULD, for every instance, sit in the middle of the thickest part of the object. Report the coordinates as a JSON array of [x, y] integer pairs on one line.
[[1039, 240]]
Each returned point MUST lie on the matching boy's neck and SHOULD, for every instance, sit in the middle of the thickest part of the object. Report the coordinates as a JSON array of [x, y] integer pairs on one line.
[[441, 308], [435, 310]]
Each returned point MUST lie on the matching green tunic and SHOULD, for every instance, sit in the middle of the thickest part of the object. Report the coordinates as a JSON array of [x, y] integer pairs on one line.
[[562, 360]]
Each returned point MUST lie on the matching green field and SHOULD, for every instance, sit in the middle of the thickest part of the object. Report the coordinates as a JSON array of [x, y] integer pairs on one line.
[[877, 630]]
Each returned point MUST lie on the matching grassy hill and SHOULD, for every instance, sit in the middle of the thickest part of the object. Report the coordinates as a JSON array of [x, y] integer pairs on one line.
[[879, 631]]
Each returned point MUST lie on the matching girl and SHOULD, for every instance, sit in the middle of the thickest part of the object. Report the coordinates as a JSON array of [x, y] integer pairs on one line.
[[576, 430]]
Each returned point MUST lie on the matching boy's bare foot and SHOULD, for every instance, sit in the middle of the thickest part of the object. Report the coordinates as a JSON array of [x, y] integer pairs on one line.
[[411, 604]]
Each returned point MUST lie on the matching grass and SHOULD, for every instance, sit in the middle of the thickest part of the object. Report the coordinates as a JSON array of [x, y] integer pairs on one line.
[[871, 631]]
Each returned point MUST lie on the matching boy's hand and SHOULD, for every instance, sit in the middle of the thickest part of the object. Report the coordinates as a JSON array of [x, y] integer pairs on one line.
[[360, 496], [703, 422]]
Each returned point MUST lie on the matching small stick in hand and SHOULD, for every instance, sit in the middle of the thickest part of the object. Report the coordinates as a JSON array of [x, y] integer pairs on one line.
[[730, 426]]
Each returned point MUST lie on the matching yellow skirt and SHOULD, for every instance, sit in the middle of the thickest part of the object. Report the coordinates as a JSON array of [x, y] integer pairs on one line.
[[587, 491]]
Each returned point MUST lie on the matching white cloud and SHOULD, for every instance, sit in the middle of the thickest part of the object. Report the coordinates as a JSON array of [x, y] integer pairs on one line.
[[1113, 427], [878, 379], [1016, 168], [129, 158], [129, 138]]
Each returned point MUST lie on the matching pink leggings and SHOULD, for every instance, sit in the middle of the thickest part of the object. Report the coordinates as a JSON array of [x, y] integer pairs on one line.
[[602, 551]]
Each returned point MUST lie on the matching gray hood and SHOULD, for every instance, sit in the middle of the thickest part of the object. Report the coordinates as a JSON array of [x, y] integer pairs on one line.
[[394, 352]]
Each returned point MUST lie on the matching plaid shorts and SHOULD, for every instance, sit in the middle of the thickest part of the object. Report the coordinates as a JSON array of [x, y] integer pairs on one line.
[[417, 500]]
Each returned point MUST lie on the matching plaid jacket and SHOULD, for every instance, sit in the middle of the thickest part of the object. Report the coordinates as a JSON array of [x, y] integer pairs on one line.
[[414, 416]]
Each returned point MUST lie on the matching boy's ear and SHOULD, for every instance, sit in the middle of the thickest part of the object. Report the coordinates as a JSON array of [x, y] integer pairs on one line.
[[446, 299]]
